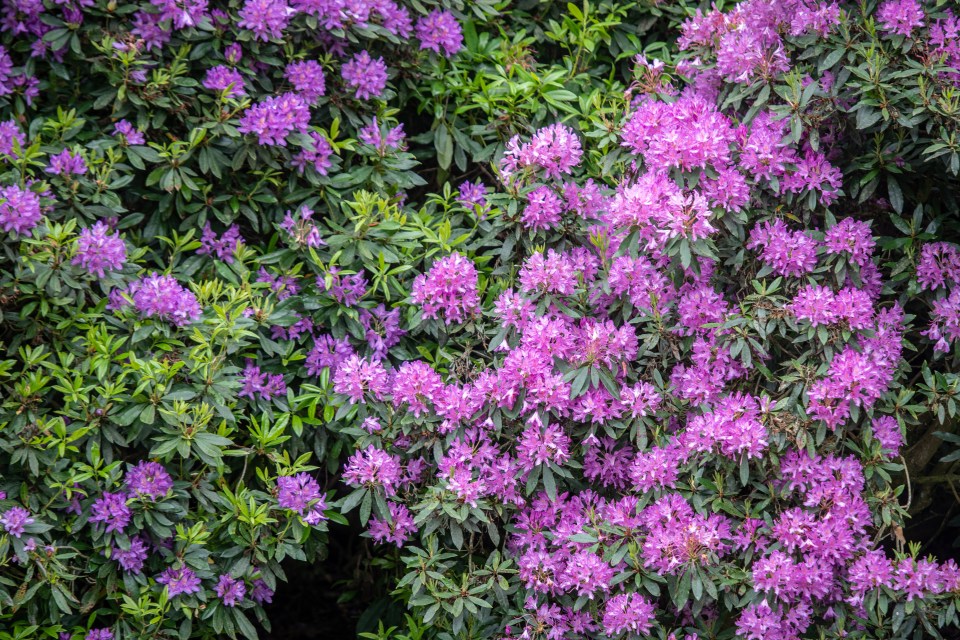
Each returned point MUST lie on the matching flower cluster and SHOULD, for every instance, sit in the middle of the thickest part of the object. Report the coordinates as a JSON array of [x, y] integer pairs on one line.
[[160, 296], [448, 290], [99, 250]]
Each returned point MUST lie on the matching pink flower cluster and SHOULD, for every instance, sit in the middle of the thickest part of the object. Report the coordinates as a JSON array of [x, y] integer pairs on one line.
[[448, 290]]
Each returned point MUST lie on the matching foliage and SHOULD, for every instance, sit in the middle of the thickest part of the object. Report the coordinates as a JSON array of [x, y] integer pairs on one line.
[[604, 319]]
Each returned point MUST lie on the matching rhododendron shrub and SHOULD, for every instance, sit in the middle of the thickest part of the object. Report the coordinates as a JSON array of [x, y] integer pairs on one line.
[[639, 323], [686, 414]]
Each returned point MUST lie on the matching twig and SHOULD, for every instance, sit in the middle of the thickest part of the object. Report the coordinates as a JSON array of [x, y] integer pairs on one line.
[[906, 473]]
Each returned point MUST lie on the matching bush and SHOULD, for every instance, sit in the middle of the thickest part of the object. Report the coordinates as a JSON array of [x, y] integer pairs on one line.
[[605, 320]]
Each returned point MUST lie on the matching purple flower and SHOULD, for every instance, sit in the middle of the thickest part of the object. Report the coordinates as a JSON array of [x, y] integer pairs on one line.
[[224, 78], [20, 209], [373, 468], [397, 529], [301, 493], [900, 17], [301, 229], [628, 612], [543, 209], [10, 133], [6, 71], [222, 245], [132, 559], [148, 28], [939, 265], [396, 19], [162, 296], [347, 289], [852, 238], [282, 285], [262, 594], [99, 250], [111, 509], [266, 18], [356, 377], [367, 76], [67, 163], [440, 30], [128, 133], [448, 290], [316, 154], [182, 13], [178, 581], [14, 521], [233, 53], [149, 479], [307, 79], [329, 352], [256, 384], [473, 194], [786, 252], [276, 117], [230, 590], [383, 138], [382, 329], [99, 634]]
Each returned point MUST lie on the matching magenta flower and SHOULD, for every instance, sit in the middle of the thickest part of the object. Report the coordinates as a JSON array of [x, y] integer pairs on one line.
[[555, 149], [900, 17], [375, 469], [448, 290], [265, 18], [543, 209], [851, 238], [20, 209], [356, 377], [397, 529], [367, 76], [415, 384], [786, 252], [628, 613], [15, 520], [99, 250]]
